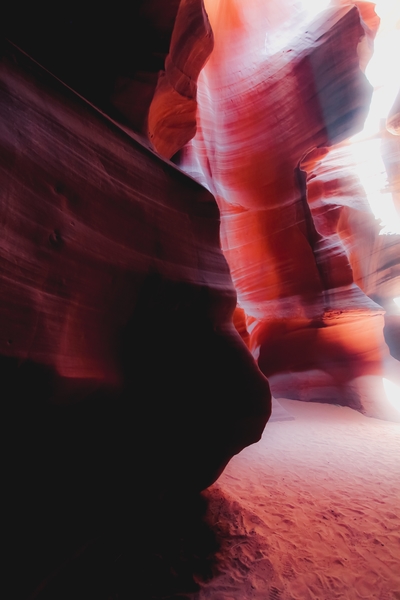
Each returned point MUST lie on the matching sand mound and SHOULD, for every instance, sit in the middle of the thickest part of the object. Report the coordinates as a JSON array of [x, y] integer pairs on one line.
[[310, 512]]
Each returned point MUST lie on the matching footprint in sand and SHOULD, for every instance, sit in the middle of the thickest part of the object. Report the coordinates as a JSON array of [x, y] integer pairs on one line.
[[390, 515], [274, 594], [288, 571]]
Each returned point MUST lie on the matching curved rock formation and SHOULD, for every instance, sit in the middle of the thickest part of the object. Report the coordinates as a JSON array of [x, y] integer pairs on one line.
[[172, 113], [137, 62], [122, 366], [119, 360], [265, 101]]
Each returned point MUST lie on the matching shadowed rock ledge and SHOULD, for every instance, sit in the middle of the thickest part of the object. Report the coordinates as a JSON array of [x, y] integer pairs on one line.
[[123, 376]]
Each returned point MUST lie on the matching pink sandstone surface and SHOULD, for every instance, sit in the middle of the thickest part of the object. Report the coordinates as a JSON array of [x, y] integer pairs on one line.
[[141, 310]]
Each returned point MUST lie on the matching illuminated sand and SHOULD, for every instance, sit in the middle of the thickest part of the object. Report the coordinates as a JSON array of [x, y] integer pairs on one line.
[[310, 512]]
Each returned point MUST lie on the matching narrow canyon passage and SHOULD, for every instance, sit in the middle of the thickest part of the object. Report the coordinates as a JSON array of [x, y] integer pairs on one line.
[[310, 512], [191, 215]]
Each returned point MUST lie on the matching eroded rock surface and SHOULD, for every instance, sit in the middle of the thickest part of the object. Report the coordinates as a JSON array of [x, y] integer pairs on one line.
[[266, 100], [122, 367], [122, 374], [139, 62]]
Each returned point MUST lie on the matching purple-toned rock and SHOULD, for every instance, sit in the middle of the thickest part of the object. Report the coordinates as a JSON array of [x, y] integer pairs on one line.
[[122, 373]]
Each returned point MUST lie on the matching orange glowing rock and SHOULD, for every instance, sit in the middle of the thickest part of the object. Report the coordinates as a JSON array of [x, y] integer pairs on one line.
[[172, 113], [266, 99]]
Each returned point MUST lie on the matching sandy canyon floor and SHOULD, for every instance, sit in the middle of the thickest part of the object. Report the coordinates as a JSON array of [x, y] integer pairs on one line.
[[310, 512]]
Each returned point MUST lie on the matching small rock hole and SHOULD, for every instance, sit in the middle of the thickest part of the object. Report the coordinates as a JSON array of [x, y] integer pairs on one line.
[[55, 239], [59, 188]]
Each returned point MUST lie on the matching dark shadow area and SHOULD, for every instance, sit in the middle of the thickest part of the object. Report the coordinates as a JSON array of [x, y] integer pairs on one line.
[[102, 484], [161, 392], [95, 49], [83, 521], [164, 551]]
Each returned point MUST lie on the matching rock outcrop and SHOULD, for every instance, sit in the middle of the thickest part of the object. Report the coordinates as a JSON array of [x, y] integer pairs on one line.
[[120, 365], [138, 62]]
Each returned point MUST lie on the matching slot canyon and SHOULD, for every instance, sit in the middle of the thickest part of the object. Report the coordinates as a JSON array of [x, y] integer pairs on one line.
[[200, 299]]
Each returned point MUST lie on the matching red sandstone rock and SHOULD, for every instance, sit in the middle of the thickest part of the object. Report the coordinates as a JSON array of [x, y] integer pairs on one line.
[[172, 113], [275, 87], [117, 304], [264, 103], [116, 326], [116, 312], [94, 227], [138, 62]]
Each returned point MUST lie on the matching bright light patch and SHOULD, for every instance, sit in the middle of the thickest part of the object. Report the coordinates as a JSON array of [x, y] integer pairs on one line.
[[397, 301], [314, 7], [372, 174], [382, 73], [302, 13], [392, 392]]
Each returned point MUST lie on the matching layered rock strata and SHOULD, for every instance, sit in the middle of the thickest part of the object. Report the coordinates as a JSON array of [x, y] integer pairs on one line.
[[265, 102], [122, 373]]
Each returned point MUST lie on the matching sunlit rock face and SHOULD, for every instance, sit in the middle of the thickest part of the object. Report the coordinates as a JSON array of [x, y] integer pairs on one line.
[[172, 112], [279, 89], [280, 82], [120, 365]]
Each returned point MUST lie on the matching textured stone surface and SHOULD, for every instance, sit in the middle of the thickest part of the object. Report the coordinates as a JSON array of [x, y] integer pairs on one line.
[[266, 101], [120, 365], [172, 113], [123, 375], [112, 54], [137, 62]]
